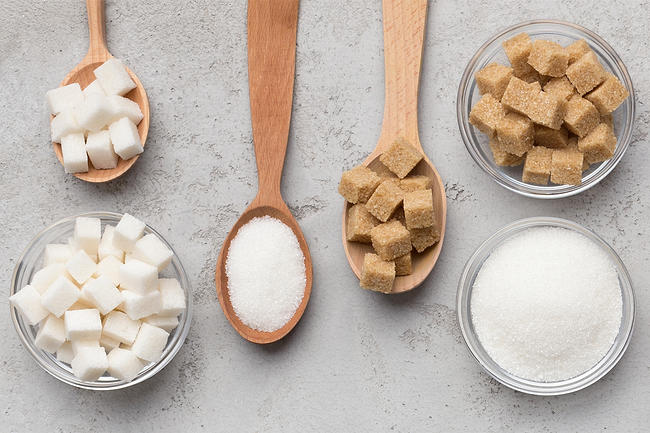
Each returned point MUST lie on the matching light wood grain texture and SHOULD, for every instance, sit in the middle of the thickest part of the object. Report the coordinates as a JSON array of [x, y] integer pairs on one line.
[[272, 26], [404, 28], [83, 74]]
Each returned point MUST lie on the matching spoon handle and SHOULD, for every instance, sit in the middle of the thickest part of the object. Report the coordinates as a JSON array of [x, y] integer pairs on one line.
[[404, 26], [272, 26], [97, 28]]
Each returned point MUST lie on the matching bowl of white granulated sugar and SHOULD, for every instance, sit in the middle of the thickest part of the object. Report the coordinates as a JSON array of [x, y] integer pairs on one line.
[[546, 306]]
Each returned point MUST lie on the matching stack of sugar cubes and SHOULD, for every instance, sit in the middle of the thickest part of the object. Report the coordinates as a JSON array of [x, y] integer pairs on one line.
[[98, 301], [97, 122]]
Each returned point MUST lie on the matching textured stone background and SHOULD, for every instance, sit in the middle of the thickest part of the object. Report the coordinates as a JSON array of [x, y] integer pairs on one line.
[[357, 360]]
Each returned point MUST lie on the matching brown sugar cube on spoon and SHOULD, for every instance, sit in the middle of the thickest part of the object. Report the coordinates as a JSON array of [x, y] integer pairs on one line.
[[403, 265], [537, 167], [401, 157], [415, 183], [390, 240], [423, 238], [418, 209], [360, 222], [358, 184], [385, 200], [377, 274]]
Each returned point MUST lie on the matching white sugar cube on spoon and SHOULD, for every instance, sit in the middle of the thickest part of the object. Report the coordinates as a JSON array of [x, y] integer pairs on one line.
[[65, 97]]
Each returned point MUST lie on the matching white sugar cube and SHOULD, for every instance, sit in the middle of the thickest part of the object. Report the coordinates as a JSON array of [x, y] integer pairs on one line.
[[125, 138], [65, 123], [93, 87], [106, 247], [138, 277], [150, 343], [120, 327], [90, 363], [81, 304], [60, 296], [64, 97], [65, 353], [27, 302], [173, 297], [127, 232], [114, 78], [124, 107], [81, 266], [151, 250], [137, 306], [87, 234], [56, 253], [46, 276], [51, 334], [123, 364], [79, 345], [109, 267], [103, 294], [108, 343], [100, 150], [82, 324], [73, 148], [94, 112], [168, 323]]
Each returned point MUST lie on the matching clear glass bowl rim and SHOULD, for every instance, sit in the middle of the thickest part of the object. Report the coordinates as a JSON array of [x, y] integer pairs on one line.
[[463, 300], [60, 370], [463, 106]]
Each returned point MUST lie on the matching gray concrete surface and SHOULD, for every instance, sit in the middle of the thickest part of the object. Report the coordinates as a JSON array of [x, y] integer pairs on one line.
[[357, 361]]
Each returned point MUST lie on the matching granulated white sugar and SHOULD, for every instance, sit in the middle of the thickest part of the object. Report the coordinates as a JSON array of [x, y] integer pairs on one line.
[[546, 304], [266, 274]]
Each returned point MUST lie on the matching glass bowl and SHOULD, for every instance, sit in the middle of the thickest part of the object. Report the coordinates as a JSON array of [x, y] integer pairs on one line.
[[31, 261], [463, 304], [477, 143]]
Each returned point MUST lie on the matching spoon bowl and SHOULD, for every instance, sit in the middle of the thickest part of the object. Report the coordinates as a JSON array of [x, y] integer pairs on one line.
[[272, 27], [83, 74], [404, 28]]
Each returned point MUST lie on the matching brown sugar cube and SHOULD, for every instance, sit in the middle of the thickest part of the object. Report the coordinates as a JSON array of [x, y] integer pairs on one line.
[[493, 80], [414, 183], [551, 138], [599, 145], [403, 265], [577, 49], [547, 110], [548, 58], [566, 167], [519, 95], [581, 116], [423, 238], [385, 200], [573, 147], [360, 222], [418, 209], [517, 50], [503, 158], [586, 73], [560, 87], [608, 95], [377, 274], [515, 134], [358, 184], [398, 215], [400, 157], [608, 119], [390, 240], [485, 115], [537, 167]]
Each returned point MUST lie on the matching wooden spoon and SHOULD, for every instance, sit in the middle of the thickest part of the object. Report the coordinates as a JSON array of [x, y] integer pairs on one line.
[[83, 74], [272, 26], [404, 27]]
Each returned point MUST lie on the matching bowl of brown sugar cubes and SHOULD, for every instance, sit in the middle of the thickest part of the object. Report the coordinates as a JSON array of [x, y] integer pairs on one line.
[[546, 108], [100, 301]]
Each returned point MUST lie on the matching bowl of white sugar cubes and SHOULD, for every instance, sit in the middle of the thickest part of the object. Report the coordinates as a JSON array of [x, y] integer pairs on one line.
[[100, 123], [546, 108], [101, 301], [546, 306]]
